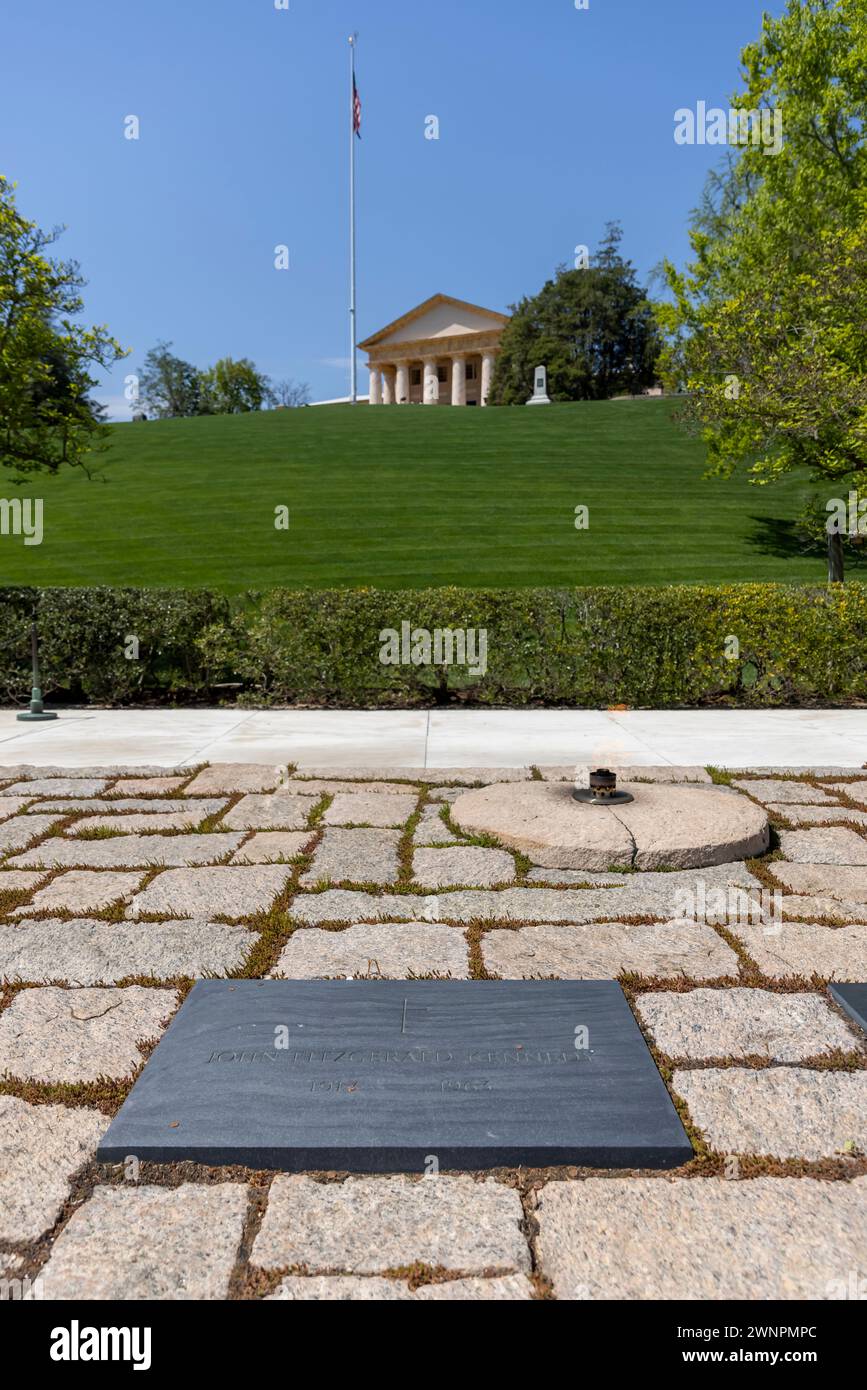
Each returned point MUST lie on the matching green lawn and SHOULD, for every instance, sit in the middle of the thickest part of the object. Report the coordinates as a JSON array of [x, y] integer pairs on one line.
[[398, 497]]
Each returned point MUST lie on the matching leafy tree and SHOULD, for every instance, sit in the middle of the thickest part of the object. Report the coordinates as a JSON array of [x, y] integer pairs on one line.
[[594, 329], [289, 393], [46, 417], [232, 388], [169, 387], [766, 329]]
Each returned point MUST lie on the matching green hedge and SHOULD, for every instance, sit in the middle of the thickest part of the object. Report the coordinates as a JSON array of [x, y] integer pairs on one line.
[[652, 647]]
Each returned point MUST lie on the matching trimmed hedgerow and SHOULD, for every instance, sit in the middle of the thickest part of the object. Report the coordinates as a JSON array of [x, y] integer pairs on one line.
[[747, 645]]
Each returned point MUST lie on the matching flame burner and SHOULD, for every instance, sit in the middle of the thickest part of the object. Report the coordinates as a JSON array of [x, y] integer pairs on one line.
[[602, 790]]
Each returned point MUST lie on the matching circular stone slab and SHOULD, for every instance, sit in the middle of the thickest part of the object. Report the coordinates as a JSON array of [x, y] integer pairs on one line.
[[677, 827]]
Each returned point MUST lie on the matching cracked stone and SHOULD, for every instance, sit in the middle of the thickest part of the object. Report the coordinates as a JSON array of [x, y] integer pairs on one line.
[[88, 952], [227, 891], [397, 951], [367, 1225], [465, 864], [41, 1148], [708, 1023], [355, 856], [52, 1034], [603, 952], [781, 1112], [132, 1243]]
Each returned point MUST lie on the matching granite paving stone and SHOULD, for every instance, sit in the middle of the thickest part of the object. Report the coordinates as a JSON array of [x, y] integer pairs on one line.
[[462, 776], [780, 1112], [82, 890], [137, 825], [604, 951], [373, 1288], [371, 1224], [199, 807], [137, 786], [20, 880], [701, 1239], [810, 909], [355, 856], [352, 905], [129, 851], [629, 772], [222, 778], [856, 790], [817, 815], [448, 794], [57, 786], [149, 1243], [273, 846], [395, 951], [465, 864], [11, 805], [708, 1023], [41, 1148], [837, 881], [227, 891], [569, 878], [15, 834], [800, 948], [378, 809], [52, 1034], [88, 952], [432, 830], [273, 811], [824, 846], [324, 786], [770, 789], [31, 772]]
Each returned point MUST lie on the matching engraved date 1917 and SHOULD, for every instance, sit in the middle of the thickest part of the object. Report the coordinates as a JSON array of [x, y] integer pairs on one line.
[[333, 1087]]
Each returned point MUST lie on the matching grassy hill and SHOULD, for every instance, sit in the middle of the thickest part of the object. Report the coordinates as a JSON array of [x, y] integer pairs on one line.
[[404, 497]]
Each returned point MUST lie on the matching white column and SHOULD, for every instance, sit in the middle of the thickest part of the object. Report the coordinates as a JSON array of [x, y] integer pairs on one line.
[[431, 382], [488, 360], [402, 388], [375, 387], [459, 380], [388, 385]]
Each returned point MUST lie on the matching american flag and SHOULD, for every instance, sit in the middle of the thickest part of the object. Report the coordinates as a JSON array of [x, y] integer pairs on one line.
[[356, 110]]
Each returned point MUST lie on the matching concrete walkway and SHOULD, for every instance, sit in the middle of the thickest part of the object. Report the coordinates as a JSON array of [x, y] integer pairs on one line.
[[447, 738]]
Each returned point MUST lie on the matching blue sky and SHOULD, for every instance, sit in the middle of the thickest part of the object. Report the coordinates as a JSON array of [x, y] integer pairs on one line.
[[552, 121]]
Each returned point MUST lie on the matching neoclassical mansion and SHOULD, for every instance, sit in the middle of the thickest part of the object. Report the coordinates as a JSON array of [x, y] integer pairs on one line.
[[441, 353]]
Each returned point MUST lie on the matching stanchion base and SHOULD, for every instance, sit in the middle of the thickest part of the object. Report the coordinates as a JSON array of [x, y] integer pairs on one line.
[[29, 717]]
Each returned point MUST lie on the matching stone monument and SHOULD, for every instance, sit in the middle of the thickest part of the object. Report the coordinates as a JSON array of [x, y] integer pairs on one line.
[[540, 388]]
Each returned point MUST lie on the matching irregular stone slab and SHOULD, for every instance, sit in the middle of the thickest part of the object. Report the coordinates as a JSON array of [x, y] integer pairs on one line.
[[355, 856], [782, 1112], [803, 949], [271, 812], [397, 951], [17, 833], [88, 952], [33, 772], [462, 776], [11, 805], [236, 777], [146, 786], [769, 789], [852, 999], [701, 1239], [817, 815], [629, 772], [375, 1289], [837, 881], [366, 1225], [135, 825], [465, 864], [432, 830], [82, 890], [856, 790], [682, 949], [807, 909], [567, 878], [349, 905], [826, 846], [792, 771], [448, 794], [381, 809], [377, 1076], [229, 891], [273, 847], [709, 1023], [129, 851], [664, 827], [51, 1034], [200, 807], [57, 786], [41, 1148], [149, 1243], [324, 786], [19, 880]]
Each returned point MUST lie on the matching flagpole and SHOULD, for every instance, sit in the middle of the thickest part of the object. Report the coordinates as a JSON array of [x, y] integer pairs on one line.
[[352, 303]]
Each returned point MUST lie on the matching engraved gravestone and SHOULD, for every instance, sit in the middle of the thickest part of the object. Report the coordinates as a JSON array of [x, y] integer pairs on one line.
[[379, 1076], [852, 998], [540, 388]]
